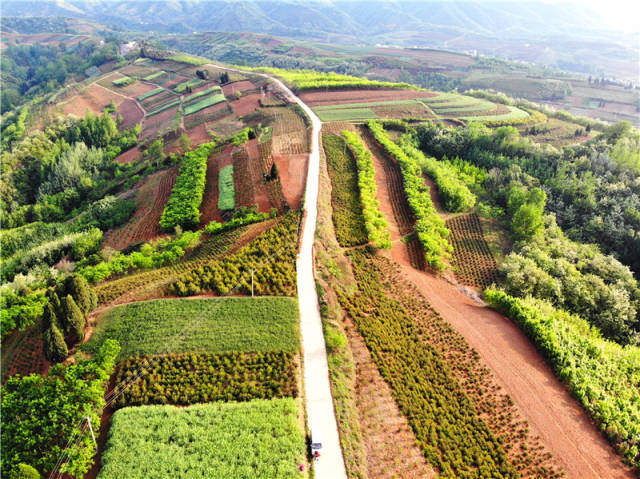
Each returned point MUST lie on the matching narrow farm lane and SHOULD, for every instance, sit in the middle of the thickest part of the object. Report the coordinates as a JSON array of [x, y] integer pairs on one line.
[[320, 413]]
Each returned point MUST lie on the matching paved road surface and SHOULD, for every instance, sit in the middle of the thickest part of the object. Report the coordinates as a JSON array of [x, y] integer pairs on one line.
[[320, 413]]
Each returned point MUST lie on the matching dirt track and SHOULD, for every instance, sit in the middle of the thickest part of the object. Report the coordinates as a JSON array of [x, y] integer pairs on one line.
[[542, 400]]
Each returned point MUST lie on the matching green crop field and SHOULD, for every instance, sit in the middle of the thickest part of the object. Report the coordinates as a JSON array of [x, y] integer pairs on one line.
[[153, 75], [164, 107], [151, 93], [181, 87], [204, 103], [199, 94], [226, 198], [124, 81], [515, 114], [200, 325], [363, 105], [346, 114], [246, 440]]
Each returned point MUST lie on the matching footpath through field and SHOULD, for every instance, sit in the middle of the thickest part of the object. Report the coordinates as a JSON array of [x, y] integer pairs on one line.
[[320, 413], [542, 400]]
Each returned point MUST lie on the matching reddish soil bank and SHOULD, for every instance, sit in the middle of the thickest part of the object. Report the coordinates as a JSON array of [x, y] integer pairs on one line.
[[231, 88], [292, 170], [131, 114], [130, 155], [246, 104], [340, 97], [209, 208]]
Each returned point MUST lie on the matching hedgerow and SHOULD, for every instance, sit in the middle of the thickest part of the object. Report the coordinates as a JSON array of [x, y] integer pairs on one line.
[[431, 229], [347, 215], [451, 190], [271, 256], [212, 325], [601, 374], [377, 226], [243, 440], [183, 207], [198, 378], [448, 427]]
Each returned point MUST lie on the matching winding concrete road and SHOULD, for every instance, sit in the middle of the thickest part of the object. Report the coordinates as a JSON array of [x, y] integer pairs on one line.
[[320, 413]]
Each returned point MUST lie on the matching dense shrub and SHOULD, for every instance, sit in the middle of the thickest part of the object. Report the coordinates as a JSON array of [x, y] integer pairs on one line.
[[452, 191], [183, 207], [377, 226]]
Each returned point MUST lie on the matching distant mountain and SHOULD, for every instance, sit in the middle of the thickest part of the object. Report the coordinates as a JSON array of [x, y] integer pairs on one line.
[[561, 31]]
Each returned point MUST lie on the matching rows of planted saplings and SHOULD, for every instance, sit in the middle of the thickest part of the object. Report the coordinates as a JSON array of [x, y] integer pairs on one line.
[[268, 262], [430, 228], [211, 249], [184, 379], [526, 452], [448, 426], [376, 224], [347, 216], [474, 263]]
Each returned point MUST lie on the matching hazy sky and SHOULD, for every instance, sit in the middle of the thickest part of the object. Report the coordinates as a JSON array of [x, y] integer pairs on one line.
[[622, 14]]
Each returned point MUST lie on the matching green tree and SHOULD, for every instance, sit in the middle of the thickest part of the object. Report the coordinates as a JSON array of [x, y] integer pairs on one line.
[[49, 317], [527, 222], [55, 349], [185, 143], [24, 471], [84, 296], [74, 320], [155, 152]]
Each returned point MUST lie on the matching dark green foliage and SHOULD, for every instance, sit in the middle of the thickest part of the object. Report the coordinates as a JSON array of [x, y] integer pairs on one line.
[[198, 378], [83, 294], [55, 349], [345, 196], [40, 413], [183, 207], [74, 320], [51, 314], [24, 471]]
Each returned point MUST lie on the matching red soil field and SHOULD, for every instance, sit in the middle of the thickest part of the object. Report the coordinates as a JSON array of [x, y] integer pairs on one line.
[[131, 113], [136, 89], [246, 104], [342, 97], [151, 200], [205, 86], [231, 88], [199, 135], [292, 170], [130, 155], [261, 195], [94, 98], [174, 81], [539, 396], [28, 356], [209, 208], [158, 123]]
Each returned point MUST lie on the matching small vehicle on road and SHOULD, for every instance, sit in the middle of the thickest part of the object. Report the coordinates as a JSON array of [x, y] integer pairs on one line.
[[316, 443]]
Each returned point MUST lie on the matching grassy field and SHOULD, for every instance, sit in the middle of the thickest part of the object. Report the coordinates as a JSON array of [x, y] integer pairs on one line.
[[200, 325], [226, 198], [151, 93], [340, 113], [255, 439], [515, 114]]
